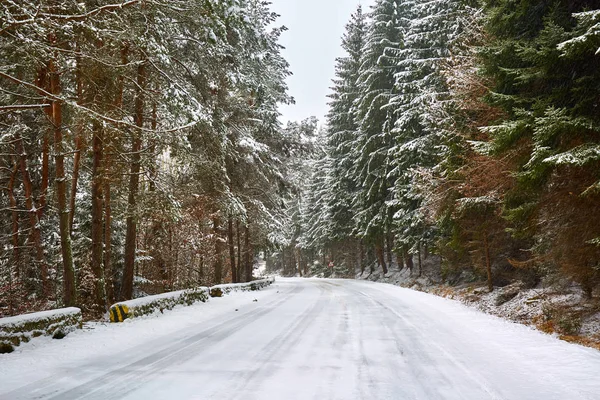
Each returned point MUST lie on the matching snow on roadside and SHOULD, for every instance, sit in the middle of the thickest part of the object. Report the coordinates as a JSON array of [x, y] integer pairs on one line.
[[40, 358], [564, 314]]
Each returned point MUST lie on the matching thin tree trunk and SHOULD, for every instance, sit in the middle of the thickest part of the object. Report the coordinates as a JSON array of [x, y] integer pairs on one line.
[[97, 215], [16, 255], [361, 257], [305, 264], [400, 259], [134, 180], [247, 254], [298, 260], [108, 272], [381, 258], [36, 235], [218, 252], [230, 239], [488, 262], [153, 169], [285, 272], [75, 180], [408, 260], [44, 82], [70, 295], [108, 267], [78, 142], [388, 249], [239, 250], [45, 170], [420, 261]]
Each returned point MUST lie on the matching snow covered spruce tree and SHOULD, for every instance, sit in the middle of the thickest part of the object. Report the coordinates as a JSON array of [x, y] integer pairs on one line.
[[375, 121], [543, 60], [467, 185], [297, 244], [421, 107], [342, 137]]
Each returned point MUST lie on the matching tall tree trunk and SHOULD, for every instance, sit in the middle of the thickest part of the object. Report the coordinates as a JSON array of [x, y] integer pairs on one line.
[[488, 262], [108, 271], [420, 261], [218, 252], [134, 180], [36, 235], [408, 260], [361, 257], [381, 258], [283, 265], [75, 180], [239, 250], [153, 168], [16, 255], [305, 264], [108, 267], [97, 215], [78, 141], [298, 257], [230, 239], [44, 83], [45, 169], [247, 254], [400, 259], [389, 244], [70, 295]]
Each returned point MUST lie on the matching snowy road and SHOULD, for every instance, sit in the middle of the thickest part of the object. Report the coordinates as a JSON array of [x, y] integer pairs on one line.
[[307, 339]]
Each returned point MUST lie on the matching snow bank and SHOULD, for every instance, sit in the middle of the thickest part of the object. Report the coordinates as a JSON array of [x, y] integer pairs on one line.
[[160, 302], [21, 328], [220, 290]]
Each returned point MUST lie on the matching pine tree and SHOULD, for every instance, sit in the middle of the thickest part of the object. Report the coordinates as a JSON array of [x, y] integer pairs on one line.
[[546, 73], [420, 109], [375, 121], [342, 136]]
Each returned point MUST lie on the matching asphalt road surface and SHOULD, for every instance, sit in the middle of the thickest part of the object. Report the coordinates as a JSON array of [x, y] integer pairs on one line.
[[313, 339]]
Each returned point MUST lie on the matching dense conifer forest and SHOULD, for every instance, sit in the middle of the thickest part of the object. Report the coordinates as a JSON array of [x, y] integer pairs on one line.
[[466, 132], [141, 147]]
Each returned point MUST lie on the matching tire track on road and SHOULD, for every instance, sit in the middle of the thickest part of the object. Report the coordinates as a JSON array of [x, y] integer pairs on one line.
[[281, 343], [137, 372], [477, 380]]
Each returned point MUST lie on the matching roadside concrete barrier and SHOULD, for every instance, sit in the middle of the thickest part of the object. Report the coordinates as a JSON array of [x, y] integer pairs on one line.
[[121, 311], [22, 328]]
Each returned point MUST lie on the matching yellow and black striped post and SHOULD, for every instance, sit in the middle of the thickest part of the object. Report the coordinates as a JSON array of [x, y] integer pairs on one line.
[[118, 313]]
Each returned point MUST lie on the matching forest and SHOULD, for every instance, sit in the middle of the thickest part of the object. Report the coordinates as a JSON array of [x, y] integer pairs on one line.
[[142, 151], [464, 134]]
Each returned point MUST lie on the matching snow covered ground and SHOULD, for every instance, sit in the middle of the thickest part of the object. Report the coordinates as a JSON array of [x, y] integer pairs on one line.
[[307, 339], [558, 307]]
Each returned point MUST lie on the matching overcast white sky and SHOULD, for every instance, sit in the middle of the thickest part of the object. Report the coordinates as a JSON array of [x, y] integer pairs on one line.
[[312, 44]]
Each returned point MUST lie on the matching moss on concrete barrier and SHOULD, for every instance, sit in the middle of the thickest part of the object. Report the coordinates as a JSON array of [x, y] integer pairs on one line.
[[167, 301], [22, 328], [220, 290], [161, 302]]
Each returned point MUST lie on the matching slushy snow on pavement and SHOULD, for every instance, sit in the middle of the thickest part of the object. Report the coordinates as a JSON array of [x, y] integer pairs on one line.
[[306, 339]]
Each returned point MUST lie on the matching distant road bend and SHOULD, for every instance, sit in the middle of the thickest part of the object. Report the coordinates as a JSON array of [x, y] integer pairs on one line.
[[328, 339]]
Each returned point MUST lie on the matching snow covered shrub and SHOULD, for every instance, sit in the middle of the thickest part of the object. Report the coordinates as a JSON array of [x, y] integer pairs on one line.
[[568, 324]]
